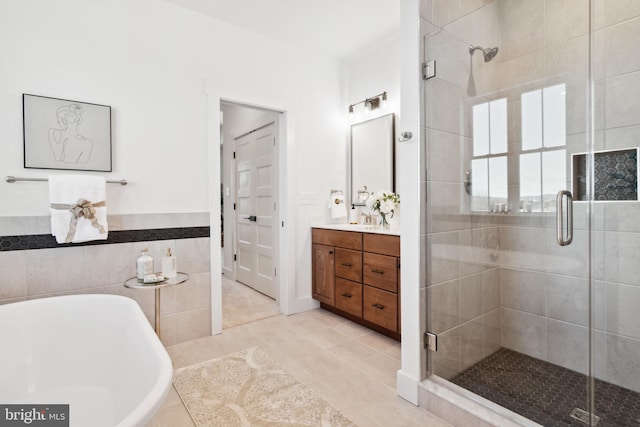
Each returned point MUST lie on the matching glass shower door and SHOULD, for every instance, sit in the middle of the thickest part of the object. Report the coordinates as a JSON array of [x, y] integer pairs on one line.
[[616, 214], [507, 129], [532, 98]]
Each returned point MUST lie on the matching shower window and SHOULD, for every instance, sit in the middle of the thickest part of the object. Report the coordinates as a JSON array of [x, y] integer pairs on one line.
[[543, 163], [489, 163]]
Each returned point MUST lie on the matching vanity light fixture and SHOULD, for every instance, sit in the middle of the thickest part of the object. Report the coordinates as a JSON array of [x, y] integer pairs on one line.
[[372, 103]]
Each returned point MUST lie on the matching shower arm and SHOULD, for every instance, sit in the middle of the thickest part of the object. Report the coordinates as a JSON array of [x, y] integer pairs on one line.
[[472, 49]]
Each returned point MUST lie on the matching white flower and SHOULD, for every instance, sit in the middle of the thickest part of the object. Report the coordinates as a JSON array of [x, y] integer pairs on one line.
[[383, 201], [387, 206]]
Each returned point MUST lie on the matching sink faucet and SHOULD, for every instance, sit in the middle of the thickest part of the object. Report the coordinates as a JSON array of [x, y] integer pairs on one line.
[[366, 218]]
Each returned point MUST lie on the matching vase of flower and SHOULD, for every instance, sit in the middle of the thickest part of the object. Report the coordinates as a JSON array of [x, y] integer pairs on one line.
[[386, 204], [394, 221]]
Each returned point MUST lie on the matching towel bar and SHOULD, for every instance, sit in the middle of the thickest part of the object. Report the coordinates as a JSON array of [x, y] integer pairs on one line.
[[13, 179]]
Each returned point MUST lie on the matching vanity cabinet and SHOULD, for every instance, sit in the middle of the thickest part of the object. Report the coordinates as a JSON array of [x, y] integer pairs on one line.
[[357, 275], [323, 277]]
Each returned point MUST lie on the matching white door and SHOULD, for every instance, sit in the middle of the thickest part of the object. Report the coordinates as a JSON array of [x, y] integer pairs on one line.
[[256, 209]]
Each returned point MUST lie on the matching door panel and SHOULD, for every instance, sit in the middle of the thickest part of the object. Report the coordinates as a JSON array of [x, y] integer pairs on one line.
[[245, 245], [255, 156], [265, 144]]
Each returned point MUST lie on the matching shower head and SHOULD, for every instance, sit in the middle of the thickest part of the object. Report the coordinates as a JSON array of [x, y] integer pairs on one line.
[[488, 53]]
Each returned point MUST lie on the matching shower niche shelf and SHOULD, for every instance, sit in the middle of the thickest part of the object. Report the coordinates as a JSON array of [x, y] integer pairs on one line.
[[615, 175]]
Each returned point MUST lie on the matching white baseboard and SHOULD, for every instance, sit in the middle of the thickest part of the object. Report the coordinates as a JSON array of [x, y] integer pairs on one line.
[[304, 304], [407, 387]]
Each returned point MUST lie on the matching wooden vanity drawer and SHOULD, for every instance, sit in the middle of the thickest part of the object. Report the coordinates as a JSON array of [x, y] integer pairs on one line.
[[349, 264], [380, 307], [349, 296], [380, 271], [381, 244], [342, 239]]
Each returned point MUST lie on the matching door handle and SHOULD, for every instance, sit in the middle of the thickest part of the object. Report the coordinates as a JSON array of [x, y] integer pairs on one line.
[[560, 217], [252, 218]]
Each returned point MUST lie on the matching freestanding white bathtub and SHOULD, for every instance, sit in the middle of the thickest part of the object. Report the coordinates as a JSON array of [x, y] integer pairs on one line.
[[97, 353]]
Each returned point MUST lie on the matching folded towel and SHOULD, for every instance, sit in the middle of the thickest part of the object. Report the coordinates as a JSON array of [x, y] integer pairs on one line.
[[78, 208], [338, 207]]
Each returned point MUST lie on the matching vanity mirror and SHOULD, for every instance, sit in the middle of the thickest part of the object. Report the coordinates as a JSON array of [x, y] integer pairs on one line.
[[372, 156]]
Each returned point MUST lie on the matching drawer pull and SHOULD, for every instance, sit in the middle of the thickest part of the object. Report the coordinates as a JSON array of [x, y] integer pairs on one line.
[[378, 306], [346, 264], [377, 272], [330, 252], [347, 295]]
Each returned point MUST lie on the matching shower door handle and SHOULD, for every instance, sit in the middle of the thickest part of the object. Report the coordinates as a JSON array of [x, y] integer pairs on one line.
[[560, 217]]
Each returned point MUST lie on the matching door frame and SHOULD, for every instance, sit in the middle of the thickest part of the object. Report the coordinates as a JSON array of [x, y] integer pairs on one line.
[[242, 95]]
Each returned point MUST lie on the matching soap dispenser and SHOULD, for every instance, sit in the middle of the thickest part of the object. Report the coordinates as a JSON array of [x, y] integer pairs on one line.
[[169, 268], [144, 264]]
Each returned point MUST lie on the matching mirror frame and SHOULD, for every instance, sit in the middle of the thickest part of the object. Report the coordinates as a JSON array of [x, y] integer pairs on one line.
[[389, 144]]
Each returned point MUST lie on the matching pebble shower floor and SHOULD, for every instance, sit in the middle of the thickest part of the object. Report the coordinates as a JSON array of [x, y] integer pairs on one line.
[[546, 393]]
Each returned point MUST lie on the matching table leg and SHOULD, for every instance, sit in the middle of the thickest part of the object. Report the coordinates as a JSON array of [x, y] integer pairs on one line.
[[157, 312]]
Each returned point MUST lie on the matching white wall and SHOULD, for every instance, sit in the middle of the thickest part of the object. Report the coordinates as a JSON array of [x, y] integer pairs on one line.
[[375, 71], [412, 188], [370, 73], [149, 60]]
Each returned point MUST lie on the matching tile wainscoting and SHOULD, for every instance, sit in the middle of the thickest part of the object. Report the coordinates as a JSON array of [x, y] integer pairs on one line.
[[33, 266]]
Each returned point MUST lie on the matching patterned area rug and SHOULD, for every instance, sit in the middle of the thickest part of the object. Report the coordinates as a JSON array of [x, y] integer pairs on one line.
[[249, 389]]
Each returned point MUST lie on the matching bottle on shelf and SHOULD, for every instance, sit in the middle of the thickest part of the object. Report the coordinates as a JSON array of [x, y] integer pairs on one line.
[[169, 267], [144, 264]]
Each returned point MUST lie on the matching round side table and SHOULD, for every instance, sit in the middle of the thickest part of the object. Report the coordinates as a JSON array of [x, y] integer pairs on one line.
[[134, 283]]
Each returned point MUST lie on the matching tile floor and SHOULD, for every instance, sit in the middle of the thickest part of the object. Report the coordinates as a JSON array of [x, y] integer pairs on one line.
[[351, 367], [241, 304]]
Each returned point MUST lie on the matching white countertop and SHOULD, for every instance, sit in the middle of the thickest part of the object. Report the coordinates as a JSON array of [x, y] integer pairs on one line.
[[361, 228]]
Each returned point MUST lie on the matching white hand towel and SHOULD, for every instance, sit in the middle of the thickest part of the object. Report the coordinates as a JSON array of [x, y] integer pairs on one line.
[[65, 191], [338, 207]]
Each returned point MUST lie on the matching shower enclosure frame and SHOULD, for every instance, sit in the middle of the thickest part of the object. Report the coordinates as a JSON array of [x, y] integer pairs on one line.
[[440, 250]]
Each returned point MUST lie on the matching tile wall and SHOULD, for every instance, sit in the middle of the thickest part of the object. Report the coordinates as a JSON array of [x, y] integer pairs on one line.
[[502, 280], [103, 268]]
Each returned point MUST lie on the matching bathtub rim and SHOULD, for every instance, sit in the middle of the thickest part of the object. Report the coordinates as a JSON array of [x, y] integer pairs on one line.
[[152, 401]]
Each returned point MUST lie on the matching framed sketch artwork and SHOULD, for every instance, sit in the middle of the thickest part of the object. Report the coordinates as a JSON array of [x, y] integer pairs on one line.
[[64, 134]]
